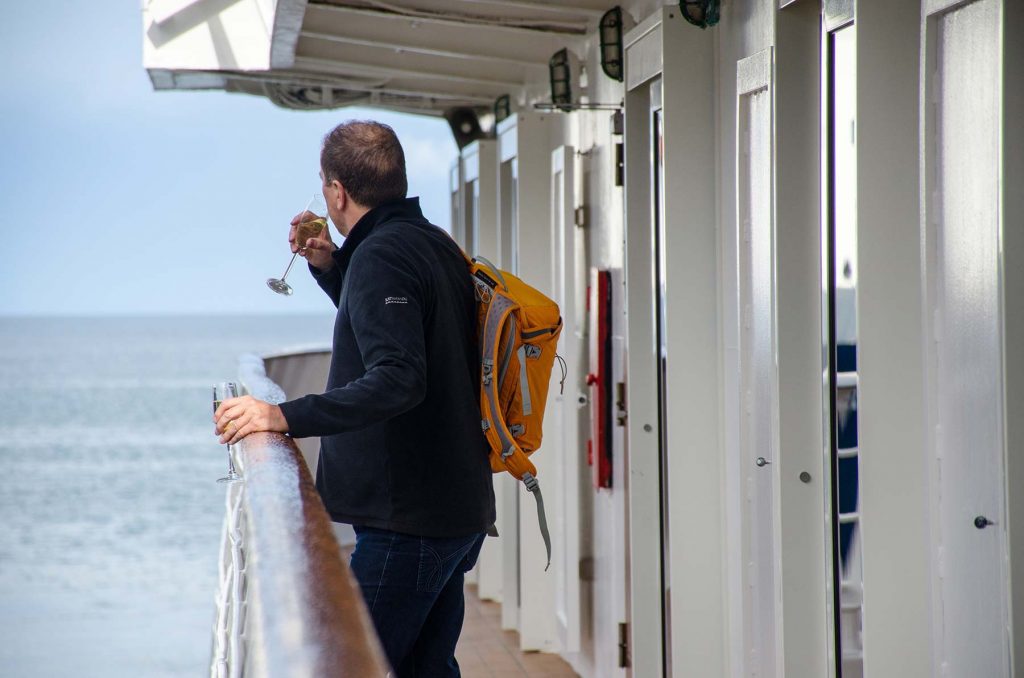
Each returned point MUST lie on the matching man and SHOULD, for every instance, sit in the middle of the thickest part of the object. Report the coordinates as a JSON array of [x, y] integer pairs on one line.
[[402, 456]]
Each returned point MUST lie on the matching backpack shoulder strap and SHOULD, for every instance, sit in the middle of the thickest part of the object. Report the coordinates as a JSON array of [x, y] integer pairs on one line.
[[494, 270]]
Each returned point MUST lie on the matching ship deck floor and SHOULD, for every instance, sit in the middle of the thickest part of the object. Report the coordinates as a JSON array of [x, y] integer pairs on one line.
[[486, 651]]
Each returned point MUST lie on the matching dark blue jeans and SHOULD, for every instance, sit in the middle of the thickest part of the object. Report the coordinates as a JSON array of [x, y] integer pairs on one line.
[[413, 588]]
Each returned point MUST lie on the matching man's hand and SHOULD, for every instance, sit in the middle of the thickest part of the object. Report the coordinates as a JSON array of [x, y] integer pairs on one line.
[[238, 417], [317, 251]]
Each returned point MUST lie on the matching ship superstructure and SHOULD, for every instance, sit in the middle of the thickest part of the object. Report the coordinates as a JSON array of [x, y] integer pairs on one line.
[[784, 235]]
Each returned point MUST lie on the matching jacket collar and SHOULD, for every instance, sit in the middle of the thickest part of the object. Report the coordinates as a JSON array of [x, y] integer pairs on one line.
[[406, 209]]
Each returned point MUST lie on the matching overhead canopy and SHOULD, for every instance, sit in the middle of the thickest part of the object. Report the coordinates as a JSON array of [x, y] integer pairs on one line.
[[428, 56]]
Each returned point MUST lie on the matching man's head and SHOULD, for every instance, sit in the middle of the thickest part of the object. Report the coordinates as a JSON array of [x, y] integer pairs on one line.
[[362, 165]]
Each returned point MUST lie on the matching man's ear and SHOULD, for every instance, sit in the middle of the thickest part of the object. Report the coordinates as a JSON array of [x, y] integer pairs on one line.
[[342, 199]]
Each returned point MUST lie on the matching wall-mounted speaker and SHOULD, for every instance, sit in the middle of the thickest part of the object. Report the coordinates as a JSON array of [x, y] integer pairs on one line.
[[465, 125]]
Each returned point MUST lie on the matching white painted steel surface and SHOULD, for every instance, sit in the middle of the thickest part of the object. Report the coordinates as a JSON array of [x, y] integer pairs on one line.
[[563, 440], [506, 489], [228, 656], [481, 176], [964, 229], [604, 539], [1012, 212], [455, 179], [804, 476], [695, 469], [246, 35], [758, 369], [694, 441], [409, 55], [891, 365], [525, 199], [642, 469]]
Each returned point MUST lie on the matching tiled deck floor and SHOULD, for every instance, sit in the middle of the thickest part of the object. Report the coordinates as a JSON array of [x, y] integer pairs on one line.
[[485, 651]]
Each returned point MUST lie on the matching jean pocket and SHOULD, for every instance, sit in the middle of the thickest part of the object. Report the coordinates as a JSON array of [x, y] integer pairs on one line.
[[439, 558]]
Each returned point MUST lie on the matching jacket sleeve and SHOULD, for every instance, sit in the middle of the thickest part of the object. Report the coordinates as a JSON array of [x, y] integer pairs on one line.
[[329, 281], [385, 307]]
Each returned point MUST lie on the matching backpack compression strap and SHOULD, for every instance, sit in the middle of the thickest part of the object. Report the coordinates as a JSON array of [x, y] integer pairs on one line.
[[498, 434], [534, 487]]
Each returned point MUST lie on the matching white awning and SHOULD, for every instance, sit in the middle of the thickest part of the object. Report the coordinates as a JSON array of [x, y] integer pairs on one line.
[[426, 56]]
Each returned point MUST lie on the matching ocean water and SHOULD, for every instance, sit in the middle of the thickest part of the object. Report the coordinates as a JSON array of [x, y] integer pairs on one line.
[[110, 515]]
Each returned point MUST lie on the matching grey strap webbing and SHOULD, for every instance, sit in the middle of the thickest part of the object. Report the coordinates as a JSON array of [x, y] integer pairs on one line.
[[499, 308], [494, 270], [524, 383], [534, 487]]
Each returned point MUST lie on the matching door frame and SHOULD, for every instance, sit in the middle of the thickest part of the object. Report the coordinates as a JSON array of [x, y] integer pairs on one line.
[[662, 46], [526, 138]]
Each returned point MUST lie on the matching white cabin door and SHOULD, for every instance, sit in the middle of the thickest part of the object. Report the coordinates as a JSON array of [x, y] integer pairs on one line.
[[967, 351], [758, 431], [562, 439]]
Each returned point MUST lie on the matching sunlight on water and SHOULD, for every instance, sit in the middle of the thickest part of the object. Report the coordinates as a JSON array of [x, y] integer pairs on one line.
[[109, 508]]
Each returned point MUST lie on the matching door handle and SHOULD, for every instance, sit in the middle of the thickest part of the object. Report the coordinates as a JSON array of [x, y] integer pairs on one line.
[[981, 522], [761, 461]]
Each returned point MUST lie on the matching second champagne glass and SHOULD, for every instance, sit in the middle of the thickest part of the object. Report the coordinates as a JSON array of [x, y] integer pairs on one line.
[[221, 392], [311, 224]]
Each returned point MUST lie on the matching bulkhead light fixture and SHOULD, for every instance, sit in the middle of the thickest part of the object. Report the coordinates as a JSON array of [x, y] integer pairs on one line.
[[701, 13], [502, 108], [561, 80], [610, 29]]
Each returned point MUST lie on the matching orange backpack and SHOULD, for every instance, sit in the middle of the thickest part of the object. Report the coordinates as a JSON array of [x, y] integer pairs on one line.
[[518, 330]]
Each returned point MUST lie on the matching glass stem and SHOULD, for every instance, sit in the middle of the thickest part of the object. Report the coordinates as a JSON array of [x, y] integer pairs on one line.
[[289, 266]]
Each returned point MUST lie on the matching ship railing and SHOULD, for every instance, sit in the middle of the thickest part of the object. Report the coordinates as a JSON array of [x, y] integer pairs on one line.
[[287, 604]]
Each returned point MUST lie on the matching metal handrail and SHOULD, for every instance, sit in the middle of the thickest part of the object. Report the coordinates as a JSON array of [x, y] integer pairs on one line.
[[287, 604]]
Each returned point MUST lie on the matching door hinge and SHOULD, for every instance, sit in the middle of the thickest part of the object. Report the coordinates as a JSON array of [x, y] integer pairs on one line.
[[587, 569], [620, 403], [624, 658], [620, 165]]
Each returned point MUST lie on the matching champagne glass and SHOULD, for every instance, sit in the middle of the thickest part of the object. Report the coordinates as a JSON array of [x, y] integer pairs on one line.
[[221, 392], [311, 225]]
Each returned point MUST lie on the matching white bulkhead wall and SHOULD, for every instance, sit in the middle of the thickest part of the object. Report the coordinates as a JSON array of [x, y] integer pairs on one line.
[[602, 512], [746, 28], [897, 634]]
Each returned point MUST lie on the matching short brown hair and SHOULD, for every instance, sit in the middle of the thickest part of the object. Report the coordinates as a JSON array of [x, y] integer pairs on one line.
[[366, 157]]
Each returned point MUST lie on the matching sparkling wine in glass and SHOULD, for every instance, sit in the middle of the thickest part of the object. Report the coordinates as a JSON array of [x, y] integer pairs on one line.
[[311, 225], [221, 392]]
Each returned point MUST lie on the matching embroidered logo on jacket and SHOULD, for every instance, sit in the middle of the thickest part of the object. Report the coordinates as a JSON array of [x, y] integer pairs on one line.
[[396, 300]]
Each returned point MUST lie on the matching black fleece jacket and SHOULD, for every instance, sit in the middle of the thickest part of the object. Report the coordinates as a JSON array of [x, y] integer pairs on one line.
[[401, 446]]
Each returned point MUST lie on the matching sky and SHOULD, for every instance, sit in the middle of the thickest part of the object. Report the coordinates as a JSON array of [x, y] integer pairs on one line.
[[118, 200]]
